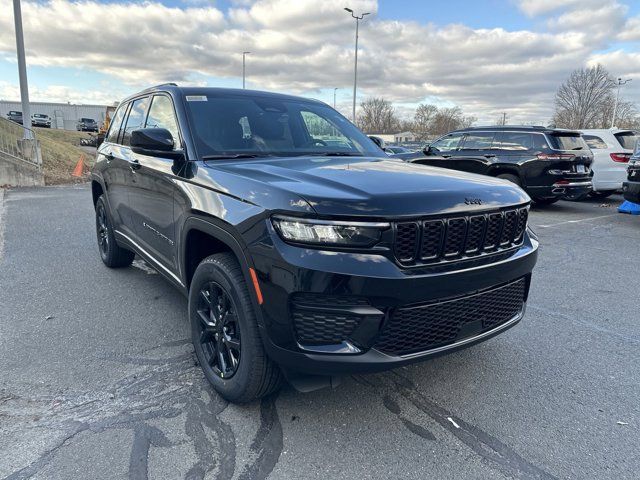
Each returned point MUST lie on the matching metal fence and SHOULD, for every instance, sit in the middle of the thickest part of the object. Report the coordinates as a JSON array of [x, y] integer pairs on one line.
[[20, 143]]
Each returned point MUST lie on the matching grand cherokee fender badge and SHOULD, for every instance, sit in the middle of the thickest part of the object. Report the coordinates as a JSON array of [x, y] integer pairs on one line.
[[473, 201]]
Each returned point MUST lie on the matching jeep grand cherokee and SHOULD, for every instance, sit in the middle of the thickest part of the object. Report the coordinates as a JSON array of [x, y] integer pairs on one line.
[[547, 163], [305, 252]]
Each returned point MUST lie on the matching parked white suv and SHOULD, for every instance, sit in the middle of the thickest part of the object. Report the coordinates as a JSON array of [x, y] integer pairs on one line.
[[612, 149]]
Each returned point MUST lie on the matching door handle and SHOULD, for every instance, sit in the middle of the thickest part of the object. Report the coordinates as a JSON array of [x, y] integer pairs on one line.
[[135, 165], [489, 155], [446, 156]]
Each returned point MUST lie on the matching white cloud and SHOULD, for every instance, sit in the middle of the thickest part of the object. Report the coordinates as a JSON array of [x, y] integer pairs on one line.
[[302, 46]]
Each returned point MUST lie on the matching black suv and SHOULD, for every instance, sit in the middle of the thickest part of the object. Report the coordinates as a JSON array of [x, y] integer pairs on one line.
[[547, 163], [87, 125], [305, 252], [631, 188], [15, 116]]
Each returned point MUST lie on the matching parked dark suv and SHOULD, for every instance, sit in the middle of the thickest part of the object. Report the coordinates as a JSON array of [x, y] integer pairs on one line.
[[631, 188], [15, 116], [305, 252], [547, 163], [87, 125]]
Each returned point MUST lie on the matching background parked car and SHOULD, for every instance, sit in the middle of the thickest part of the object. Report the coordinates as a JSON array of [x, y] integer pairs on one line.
[[547, 163], [15, 116], [41, 120], [631, 188], [612, 150], [87, 125], [403, 153]]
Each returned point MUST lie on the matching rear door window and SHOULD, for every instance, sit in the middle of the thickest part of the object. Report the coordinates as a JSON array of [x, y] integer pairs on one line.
[[513, 141], [447, 143], [594, 142], [567, 141], [627, 139], [136, 118], [478, 141]]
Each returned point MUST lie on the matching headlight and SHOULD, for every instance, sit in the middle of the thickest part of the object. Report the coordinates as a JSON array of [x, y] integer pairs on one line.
[[327, 232]]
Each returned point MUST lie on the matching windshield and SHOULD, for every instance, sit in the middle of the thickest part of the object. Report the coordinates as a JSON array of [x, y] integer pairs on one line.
[[227, 125], [87, 120], [39, 115], [627, 139], [568, 142]]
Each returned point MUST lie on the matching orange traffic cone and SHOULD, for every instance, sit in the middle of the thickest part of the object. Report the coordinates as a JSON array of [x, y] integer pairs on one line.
[[79, 170]]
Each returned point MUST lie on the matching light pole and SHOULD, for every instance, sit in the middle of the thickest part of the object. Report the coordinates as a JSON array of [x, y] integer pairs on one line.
[[22, 70], [615, 105], [244, 70], [334, 97], [355, 67]]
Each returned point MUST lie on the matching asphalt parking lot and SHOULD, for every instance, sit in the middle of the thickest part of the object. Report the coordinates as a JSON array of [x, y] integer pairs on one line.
[[98, 379]]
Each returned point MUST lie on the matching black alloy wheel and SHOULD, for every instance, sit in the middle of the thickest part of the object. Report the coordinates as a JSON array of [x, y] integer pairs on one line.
[[102, 229], [219, 330]]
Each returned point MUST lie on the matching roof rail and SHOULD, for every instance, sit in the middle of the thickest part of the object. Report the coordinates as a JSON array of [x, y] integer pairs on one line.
[[172, 84]]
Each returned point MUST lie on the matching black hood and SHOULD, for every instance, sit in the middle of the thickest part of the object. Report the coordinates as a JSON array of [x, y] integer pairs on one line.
[[373, 186]]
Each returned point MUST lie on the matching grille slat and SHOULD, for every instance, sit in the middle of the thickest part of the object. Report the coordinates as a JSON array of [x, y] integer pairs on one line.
[[447, 240], [418, 329]]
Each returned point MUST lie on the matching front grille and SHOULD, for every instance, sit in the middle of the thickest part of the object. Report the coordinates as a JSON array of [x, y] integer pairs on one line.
[[445, 240], [425, 327]]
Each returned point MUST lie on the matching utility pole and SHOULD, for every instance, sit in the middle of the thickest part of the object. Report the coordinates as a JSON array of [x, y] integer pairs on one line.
[[355, 67], [244, 70], [22, 70], [504, 118], [334, 97], [619, 83]]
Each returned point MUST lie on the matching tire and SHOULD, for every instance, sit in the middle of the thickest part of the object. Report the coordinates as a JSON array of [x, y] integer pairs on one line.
[[225, 333], [511, 178], [602, 194], [112, 254], [546, 201]]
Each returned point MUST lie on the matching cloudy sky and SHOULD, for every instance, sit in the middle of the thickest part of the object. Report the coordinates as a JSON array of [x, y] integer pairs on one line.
[[486, 56]]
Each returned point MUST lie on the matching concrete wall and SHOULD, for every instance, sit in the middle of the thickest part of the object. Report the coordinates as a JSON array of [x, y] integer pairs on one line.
[[17, 173]]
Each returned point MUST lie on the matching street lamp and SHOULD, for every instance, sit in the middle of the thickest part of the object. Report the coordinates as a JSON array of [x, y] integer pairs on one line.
[[334, 97], [355, 68], [244, 70], [619, 83], [22, 71]]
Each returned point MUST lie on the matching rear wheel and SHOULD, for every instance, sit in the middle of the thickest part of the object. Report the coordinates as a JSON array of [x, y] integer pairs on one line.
[[112, 254], [602, 194], [511, 178], [546, 201], [225, 332]]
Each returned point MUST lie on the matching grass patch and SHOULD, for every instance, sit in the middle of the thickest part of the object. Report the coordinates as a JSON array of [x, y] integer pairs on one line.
[[60, 151]]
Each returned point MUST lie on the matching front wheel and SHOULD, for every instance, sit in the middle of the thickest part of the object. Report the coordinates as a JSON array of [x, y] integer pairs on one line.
[[225, 334]]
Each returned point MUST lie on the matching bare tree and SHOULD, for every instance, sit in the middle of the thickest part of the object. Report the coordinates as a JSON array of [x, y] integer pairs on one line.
[[378, 116], [581, 100], [423, 121]]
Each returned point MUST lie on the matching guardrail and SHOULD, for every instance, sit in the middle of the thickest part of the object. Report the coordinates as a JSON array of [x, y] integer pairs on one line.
[[20, 143]]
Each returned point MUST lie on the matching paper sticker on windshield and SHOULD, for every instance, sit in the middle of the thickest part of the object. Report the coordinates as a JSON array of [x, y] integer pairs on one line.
[[196, 98]]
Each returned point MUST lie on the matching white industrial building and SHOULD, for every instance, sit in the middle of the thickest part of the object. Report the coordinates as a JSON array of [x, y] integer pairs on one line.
[[63, 115]]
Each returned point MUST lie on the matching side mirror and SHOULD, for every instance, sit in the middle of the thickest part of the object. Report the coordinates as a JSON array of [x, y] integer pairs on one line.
[[156, 142], [427, 150], [378, 141]]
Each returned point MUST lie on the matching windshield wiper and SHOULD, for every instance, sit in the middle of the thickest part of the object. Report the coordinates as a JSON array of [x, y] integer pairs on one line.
[[234, 155]]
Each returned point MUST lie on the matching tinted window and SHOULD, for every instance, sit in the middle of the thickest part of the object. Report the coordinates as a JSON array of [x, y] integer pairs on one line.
[[627, 139], [226, 124], [539, 142], [135, 120], [478, 141], [116, 123], [513, 141], [567, 142], [594, 142], [161, 115], [447, 143]]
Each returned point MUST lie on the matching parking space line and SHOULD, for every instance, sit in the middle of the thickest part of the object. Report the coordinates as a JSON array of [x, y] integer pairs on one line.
[[576, 221]]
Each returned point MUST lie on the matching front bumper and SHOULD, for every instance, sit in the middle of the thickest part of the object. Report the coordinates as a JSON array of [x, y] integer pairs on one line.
[[631, 191], [382, 290]]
